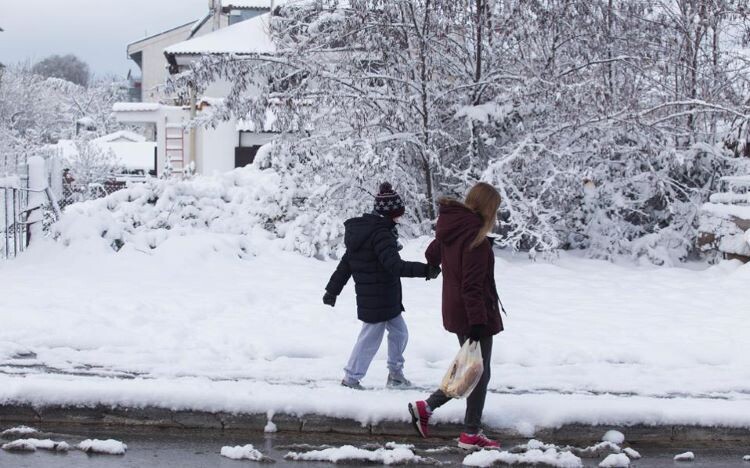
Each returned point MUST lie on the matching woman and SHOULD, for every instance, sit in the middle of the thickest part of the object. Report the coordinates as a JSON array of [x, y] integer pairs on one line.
[[470, 300]]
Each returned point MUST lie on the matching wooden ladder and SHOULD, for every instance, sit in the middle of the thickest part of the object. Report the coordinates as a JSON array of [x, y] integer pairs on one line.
[[174, 145]]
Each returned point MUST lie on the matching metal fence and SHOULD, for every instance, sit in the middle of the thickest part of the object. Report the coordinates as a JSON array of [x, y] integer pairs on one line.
[[74, 193], [17, 217], [14, 233]]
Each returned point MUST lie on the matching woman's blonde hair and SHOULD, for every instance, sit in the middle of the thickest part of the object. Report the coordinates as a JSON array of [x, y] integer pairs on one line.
[[484, 200]]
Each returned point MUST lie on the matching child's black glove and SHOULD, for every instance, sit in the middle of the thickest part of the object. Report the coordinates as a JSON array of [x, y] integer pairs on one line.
[[476, 332], [329, 299], [432, 272]]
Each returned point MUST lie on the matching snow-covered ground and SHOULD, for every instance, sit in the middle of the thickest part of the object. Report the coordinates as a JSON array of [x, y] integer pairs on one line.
[[197, 327]]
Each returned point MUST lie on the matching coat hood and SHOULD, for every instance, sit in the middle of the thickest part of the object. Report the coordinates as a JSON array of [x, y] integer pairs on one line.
[[358, 230], [456, 222]]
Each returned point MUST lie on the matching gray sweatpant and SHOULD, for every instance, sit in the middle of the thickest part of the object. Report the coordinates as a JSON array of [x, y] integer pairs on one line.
[[475, 401], [368, 343]]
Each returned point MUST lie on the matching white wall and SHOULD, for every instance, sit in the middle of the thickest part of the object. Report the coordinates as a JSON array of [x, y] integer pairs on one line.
[[216, 147], [154, 70]]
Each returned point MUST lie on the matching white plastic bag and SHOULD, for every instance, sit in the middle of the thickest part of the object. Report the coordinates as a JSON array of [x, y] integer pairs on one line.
[[465, 371]]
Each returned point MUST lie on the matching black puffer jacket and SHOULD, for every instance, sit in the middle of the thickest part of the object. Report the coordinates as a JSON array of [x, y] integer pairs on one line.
[[372, 258]]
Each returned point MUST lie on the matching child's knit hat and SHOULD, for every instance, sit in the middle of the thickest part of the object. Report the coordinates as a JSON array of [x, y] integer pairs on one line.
[[388, 203]]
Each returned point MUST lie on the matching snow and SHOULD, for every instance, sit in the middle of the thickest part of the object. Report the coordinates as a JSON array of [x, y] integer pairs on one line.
[[251, 4], [246, 37], [104, 447], [616, 437], [746, 458], [548, 457], [19, 430], [615, 460], [204, 308], [130, 155], [687, 456], [723, 211], [121, 136], [270, 426], [242, 452], [135, 106], [399, 455], [10, 182], [31, 445], [632, 453]]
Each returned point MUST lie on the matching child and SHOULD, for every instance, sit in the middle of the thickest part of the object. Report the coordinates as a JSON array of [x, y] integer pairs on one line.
[[372, 259]]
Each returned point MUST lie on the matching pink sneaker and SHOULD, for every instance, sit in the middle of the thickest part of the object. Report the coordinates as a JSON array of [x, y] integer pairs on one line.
[[420, 417], [477, 442]]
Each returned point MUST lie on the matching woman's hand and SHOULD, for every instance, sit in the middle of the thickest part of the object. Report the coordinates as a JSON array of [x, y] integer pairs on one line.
[[433, 272]]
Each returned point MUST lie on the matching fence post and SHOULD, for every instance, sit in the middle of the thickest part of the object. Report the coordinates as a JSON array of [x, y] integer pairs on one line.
[[37, 186]]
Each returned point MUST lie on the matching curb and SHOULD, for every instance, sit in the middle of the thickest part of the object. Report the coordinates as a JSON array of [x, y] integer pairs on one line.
[[149, 419]]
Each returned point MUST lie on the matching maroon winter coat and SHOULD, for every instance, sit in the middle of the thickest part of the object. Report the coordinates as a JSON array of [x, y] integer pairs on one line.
[[469, 291]]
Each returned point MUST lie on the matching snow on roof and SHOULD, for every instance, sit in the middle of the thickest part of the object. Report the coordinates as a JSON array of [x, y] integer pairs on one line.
[[131, 155], [255, 4], [246, 37], [121, 136], [269, 124], [250, 4], [135, 106], [153, 36]]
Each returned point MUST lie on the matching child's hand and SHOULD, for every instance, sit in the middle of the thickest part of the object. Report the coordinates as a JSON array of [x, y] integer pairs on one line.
[[329, 299], [432, 272]]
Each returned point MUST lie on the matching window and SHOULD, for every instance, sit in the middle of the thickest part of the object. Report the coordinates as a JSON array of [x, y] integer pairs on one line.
[[245, 155]]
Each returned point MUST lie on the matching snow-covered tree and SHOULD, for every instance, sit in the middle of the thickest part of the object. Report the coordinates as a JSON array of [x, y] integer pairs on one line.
[[604, 123]]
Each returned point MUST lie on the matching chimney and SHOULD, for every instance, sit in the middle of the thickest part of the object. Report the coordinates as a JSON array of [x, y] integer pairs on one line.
[[215, 7]]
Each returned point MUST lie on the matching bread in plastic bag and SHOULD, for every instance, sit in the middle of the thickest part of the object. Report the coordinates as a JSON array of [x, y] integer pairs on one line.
[[465, 371]]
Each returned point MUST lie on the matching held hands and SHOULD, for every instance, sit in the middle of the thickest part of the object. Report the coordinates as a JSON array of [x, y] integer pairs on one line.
[[476, 332], [329, 299], [432, 272]]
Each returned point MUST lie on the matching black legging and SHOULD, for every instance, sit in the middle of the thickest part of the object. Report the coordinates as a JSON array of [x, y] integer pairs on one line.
[[475, 401]]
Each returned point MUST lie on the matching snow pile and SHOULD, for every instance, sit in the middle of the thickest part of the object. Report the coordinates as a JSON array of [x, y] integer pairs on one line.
[[687, 456], [632, 453], [616, 437], [392, 454], [746, 458], [596, 450], [270, 427], [242, 452], [547, 457], [18, 431], [237, 203], [615, 460], [32, 445], [105, 447]]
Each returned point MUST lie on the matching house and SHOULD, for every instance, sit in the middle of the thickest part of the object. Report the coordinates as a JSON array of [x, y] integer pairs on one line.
[[231, 27]]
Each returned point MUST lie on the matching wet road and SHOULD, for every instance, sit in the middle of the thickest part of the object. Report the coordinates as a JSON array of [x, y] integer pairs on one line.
[[186, 450]]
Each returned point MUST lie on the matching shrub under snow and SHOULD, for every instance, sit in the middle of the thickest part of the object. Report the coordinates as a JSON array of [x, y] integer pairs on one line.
[[236, 203]]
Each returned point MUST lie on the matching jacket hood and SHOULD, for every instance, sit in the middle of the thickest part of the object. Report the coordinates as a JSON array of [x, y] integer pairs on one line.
[[358, 230], [456, 222]]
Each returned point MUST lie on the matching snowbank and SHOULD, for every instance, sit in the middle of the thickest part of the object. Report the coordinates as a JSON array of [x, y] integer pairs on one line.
[[615, 460], [687, 456], [396, 455], [146, 215], [548, 457], [32, 445], [190, 325], [18, 430], [242, 452], [104, 447]]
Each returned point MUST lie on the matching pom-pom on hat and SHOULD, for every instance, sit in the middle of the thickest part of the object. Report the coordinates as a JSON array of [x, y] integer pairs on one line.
[[388, 203]]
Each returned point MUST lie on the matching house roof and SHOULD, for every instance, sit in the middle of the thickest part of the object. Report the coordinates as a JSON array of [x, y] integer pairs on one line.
[[135, 106], [246, 37], [152, 36], [251, 4], [119, 136]]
